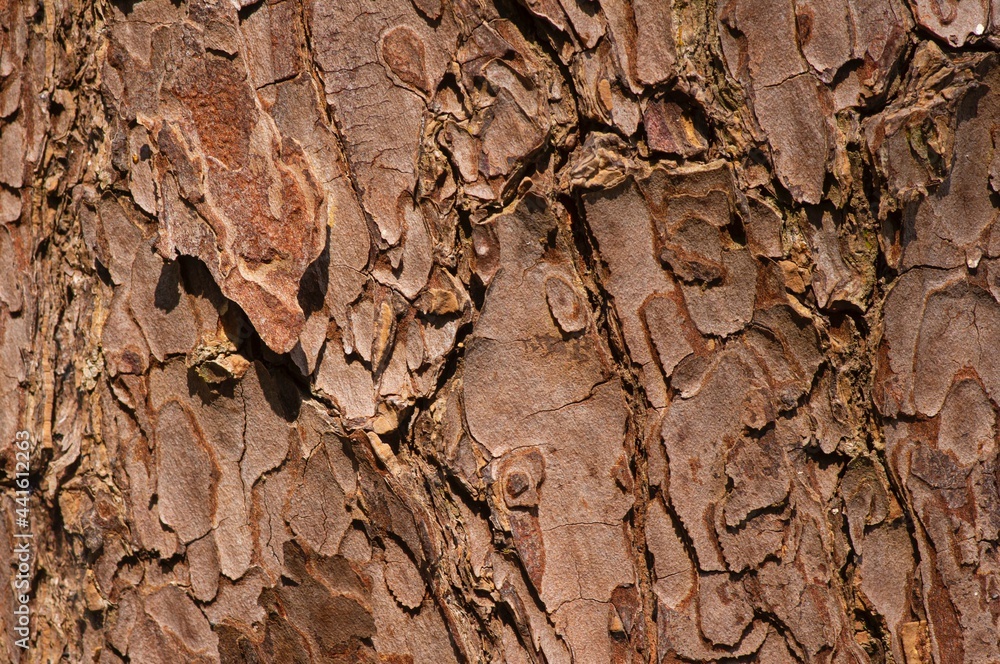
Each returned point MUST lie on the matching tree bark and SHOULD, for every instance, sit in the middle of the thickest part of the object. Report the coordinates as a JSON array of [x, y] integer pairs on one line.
[[473, 331]]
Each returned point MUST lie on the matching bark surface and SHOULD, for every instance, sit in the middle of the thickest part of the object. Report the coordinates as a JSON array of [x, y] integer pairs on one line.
[[442, 331]]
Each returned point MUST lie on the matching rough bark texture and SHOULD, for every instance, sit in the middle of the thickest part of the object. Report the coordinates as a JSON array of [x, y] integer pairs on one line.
[[456, 330]]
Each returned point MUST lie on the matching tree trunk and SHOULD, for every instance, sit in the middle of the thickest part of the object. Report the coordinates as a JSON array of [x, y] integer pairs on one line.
[[467, 331]]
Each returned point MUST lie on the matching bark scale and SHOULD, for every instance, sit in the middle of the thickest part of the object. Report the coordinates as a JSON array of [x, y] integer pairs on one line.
[[563, 331]]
